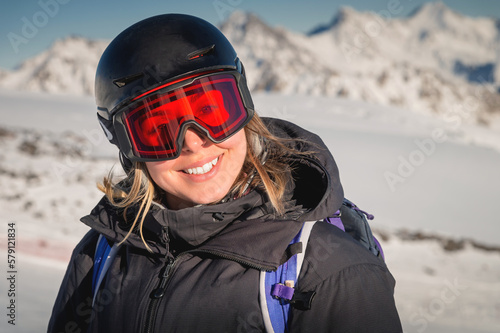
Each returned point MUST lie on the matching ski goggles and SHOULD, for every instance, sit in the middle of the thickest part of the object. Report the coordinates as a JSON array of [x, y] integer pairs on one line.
[[153, 125]]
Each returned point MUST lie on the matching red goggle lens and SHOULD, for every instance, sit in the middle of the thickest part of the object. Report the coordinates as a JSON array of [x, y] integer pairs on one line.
[[155, 123]]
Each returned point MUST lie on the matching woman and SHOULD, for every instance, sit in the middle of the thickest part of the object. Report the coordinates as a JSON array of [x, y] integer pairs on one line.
[[213, 197]]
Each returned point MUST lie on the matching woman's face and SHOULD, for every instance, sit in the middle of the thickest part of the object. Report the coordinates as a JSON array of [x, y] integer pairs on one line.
[[203, 173]]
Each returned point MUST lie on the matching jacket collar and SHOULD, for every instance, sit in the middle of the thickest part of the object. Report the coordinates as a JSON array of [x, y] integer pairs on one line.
[[196, 225], [242, 230]]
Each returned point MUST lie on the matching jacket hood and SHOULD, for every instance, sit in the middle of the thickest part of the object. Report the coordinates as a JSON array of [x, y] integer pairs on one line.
[[316, 181], [246, 228]]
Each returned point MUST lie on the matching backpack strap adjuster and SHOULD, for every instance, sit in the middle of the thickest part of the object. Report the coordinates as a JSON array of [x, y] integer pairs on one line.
[[303, 301], [286, 293], [283, 291]]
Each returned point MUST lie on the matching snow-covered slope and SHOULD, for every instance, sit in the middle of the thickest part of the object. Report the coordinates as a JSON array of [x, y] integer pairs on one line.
[[53, 153]]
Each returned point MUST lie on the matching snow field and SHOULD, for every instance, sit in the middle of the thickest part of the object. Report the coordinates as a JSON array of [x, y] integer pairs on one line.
[[54, 153]]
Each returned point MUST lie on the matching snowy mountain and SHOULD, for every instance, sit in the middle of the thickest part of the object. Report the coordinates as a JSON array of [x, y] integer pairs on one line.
[[273, 60], [67, 67], [434, 61]]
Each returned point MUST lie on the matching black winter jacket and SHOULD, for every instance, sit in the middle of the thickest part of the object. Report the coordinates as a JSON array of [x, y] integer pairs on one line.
[[206, 260]]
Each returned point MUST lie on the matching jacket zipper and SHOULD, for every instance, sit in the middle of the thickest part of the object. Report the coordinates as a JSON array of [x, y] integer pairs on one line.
[[238, 260], [157, 295], [159, 292]]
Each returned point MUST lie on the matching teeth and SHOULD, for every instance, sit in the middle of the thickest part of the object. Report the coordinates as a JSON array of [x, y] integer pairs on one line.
[[203, 169]]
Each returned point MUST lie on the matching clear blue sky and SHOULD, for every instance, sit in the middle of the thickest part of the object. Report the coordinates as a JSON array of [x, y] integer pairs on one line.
[[104, 19]]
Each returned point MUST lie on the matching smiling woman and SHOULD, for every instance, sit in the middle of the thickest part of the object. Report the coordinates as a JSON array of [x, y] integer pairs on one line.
[[204, 172], [213, 197]]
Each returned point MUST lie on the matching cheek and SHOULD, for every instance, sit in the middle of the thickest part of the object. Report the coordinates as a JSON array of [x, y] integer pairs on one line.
[[157, 170], [236, 144], [237, 148]]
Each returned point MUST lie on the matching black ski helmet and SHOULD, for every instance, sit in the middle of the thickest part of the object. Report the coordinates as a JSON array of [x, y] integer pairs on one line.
[[157, 50]]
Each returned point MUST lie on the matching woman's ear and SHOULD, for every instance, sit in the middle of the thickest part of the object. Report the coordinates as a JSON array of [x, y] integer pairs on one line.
[[258, 146]]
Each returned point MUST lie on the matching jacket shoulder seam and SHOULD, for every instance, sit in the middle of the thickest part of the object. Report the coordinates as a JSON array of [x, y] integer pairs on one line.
[[336, 275]]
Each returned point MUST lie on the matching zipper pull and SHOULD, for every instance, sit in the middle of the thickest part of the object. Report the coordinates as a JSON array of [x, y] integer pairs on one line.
[[368, 215], [164, 238], [356, 208], [160, 291]]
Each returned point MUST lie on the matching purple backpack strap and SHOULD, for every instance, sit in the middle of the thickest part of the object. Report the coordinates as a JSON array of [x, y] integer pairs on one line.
[[379, 248], [336, 221], [277, 290], [277, 287]]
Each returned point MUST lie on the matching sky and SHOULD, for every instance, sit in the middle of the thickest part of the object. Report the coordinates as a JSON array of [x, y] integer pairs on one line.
[[28, 27]]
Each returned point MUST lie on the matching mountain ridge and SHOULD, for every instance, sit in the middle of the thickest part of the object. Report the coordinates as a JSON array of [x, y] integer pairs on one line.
[[433, 61]]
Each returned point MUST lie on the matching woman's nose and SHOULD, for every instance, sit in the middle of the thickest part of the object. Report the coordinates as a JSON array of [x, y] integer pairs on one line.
[[194, 141]]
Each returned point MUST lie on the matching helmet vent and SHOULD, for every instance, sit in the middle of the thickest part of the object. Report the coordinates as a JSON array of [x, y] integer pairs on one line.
[[122, 82], [200, 53]]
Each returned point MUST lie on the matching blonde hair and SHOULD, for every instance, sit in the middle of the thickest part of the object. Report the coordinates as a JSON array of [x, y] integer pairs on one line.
[[136, 188], [265, 167]]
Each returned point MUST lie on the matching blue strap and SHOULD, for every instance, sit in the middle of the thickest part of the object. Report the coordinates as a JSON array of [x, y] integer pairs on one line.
[[101, 254], [279, 307], [275, 295]]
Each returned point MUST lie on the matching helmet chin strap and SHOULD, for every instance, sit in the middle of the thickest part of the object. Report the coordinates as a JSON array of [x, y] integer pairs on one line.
[[127, 164]]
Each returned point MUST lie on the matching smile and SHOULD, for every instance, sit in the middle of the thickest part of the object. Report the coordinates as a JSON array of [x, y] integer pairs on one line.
[[203, 169]]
